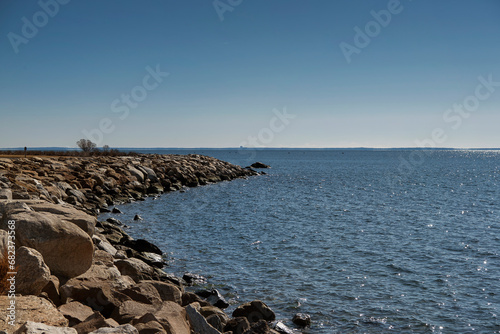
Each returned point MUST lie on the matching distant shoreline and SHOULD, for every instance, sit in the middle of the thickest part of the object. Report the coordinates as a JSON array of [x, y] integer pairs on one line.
[[144, 149]]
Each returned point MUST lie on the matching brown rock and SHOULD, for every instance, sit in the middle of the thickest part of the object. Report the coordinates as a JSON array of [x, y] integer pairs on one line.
[[144, 293], [32, 273], [68, 213], [99, 295], [31, 308], [132, 310], [66, 249], [135, 268], [75, 312], [52, 290], [189, 298], [167, 291], [94, 322], [173, 318]]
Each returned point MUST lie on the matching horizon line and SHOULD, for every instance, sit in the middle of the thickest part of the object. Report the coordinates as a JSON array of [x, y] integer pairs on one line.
[[46, 148]]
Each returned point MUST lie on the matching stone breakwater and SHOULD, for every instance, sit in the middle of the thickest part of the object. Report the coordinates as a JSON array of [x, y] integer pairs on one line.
[[70, 273]]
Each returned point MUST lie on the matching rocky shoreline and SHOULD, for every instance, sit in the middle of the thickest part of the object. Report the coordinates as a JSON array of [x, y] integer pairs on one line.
[[74, 274]]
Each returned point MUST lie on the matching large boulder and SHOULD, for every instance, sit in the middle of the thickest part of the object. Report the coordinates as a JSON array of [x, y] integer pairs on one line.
[[69, 213], [66, 249], [30, 308], [32, 273]]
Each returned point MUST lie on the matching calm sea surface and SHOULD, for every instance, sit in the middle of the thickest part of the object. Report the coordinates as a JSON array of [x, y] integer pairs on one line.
[[363, 241]]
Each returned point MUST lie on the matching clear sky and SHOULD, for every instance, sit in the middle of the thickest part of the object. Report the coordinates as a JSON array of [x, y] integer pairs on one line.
[[351, 73]]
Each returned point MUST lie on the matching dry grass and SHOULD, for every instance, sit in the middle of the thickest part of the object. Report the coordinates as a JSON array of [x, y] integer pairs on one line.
[[4, 269]]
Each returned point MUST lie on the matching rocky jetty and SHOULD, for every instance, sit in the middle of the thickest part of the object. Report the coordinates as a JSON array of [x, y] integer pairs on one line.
[[92, 183], [74, 274]]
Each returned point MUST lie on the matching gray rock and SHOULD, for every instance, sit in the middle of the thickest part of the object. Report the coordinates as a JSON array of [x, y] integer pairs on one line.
[[198, 322], [31, 327], [282, 328], [123, 329]]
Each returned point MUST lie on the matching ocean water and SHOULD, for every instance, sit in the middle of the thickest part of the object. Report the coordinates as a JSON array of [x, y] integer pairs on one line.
[[363, 241]]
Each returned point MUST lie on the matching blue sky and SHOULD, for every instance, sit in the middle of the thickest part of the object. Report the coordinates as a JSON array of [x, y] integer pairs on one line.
[[229, 78]]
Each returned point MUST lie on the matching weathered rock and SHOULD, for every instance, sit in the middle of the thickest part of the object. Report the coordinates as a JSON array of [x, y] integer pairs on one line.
[[31, 327], [99, 295], [123, 329], [137, 217], [135, 268], [32, 273], [132, 310], [237, 325], [254, 311], [144, 293], [166, 291], [213, 297], [30, 308], [68, 213], [173, 318], [302, 319], [66, 249], [94, 322], [75, 312], [198, 323]]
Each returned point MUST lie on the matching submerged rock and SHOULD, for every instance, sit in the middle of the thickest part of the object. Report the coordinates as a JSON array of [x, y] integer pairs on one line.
[[302, 319], [259, 165]]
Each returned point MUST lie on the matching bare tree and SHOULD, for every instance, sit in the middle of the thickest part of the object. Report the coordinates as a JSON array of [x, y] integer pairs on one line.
[[105, 148], [86, 145]]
